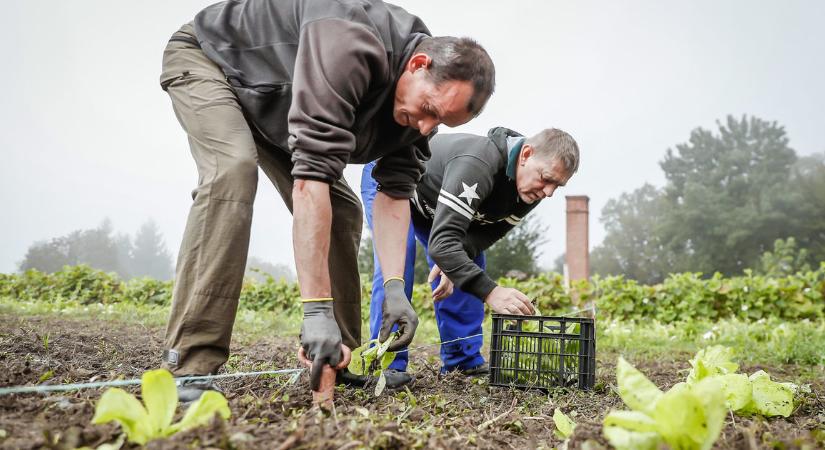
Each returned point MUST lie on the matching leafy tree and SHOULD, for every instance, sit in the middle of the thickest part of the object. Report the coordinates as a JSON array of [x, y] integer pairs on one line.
[[93, 247], [805, 203], [633, 246], [722, 189], [47, 256], [145, 255], [517, 250], [785, 259], [150, 258], [729, 195]]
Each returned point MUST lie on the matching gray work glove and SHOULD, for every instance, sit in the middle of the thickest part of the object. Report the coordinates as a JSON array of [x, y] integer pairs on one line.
[[320, 338], [397, 310]]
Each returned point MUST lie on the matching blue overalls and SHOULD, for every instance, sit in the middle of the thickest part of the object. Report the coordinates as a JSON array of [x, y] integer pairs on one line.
[[457, 316]]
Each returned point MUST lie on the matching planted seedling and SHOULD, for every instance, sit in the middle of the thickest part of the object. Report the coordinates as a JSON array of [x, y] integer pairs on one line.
[[373, 359], [744, 395], [564, 426], [691, 414], [154, 420]]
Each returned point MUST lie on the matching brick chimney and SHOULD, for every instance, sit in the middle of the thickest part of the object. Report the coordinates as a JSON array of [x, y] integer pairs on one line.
[[577, 255]]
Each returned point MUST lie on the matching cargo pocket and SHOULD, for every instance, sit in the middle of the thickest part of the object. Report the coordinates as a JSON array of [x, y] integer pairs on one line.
[[266, 105], [167, 81]]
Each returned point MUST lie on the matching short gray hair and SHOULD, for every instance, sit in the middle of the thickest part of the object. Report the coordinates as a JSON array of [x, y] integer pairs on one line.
[[461, 59], [553, 143]]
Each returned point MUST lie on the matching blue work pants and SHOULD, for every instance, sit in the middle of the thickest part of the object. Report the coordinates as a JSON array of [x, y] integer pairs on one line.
[[457, 316]]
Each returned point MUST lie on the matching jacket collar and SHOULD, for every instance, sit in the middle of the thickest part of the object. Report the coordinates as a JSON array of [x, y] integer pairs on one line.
[[509, 143]]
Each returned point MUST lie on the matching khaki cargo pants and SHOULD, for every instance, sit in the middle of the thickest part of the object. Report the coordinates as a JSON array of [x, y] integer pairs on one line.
[[213, 253]]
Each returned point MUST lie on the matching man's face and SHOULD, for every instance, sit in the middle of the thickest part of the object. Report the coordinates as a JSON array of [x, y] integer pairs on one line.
[[423, 105], [537, 176]]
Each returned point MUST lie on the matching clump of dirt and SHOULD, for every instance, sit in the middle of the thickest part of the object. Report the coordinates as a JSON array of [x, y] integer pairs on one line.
[[435, 412]]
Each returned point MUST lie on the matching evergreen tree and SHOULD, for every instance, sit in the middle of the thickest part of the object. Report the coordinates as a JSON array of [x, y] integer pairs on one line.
[[150, 258]]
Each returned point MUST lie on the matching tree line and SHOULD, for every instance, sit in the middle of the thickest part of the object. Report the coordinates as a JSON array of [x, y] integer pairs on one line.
[[143, 255]]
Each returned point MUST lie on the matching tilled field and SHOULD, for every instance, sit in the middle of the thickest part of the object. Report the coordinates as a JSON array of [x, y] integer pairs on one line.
[[267, 412]]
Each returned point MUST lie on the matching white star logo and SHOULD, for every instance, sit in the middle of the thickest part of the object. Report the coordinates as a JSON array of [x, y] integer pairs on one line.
[[469, 193]]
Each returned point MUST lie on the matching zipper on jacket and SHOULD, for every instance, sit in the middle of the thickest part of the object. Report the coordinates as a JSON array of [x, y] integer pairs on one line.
[[263, 88]]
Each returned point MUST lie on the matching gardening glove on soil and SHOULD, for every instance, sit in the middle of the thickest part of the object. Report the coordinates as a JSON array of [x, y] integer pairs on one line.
[[320, 336], [397, 309]]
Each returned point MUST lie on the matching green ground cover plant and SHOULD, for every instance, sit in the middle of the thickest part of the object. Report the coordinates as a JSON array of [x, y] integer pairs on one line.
[[680, 297]]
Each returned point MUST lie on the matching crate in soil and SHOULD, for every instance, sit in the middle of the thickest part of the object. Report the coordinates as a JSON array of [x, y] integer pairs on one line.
[[542, 352]]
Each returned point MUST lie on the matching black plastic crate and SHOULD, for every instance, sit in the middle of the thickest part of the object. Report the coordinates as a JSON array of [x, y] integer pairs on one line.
[[542, 352]]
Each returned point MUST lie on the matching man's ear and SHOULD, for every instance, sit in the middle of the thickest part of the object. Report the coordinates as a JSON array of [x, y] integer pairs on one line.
[[419, 61], [527, 152]]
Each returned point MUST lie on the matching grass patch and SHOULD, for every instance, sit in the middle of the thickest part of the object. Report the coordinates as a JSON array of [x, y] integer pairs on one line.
[[766, 341], [763, 342]]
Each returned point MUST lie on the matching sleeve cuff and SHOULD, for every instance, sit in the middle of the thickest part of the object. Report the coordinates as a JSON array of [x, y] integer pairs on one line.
[[398, 191], [481, 287]]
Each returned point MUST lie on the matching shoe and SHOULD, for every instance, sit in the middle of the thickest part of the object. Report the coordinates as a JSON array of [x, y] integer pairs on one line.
[[191, 390], [346, 378], [477, 371], [396, 378]]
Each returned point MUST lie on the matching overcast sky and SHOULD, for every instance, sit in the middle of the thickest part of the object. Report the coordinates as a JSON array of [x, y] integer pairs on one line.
[[86, 132]]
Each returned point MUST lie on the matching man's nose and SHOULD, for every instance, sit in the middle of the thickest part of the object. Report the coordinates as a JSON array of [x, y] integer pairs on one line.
[[549, 189], [426, 126]]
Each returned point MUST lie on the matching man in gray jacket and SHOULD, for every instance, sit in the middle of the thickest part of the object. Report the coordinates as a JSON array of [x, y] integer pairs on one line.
[[301, 88]]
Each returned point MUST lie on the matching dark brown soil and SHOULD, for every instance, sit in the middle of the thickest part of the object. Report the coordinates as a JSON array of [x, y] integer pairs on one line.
[[442, 412]]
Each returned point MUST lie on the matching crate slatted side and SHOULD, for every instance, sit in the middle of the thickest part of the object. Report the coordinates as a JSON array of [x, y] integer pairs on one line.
[[542, 352]]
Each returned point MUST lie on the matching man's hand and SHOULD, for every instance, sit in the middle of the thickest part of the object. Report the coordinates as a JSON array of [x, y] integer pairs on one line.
[[320, 336], [509, 301], [445, 286], [397, 309]]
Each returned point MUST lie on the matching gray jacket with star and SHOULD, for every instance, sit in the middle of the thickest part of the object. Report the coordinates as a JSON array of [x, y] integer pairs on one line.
[[469, 201]]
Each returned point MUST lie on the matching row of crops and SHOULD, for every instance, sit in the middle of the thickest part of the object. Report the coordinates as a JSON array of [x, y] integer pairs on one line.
[[684, 296]]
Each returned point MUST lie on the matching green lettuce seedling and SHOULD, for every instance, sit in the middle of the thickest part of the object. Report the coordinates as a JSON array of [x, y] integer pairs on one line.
[[756, 394], [564, 426], [142, 424], [685, 417], [372, 357]]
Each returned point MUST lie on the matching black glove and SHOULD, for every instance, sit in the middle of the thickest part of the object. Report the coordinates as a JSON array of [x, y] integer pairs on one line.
[[320, 338], [397, 309]]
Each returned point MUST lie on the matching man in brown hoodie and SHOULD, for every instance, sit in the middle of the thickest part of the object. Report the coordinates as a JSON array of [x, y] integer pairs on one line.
[[301, 88]]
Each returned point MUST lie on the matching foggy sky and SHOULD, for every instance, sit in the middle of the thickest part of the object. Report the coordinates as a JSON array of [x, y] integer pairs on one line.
[[86, 132]]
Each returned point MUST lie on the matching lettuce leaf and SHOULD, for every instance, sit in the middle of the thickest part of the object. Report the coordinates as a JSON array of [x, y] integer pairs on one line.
[[639, 393], [624, 439], [564, 426], [160, 397], [122, 407], [737, 389], [710, 361], [202, 411], [769, 397], [691, 416]]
